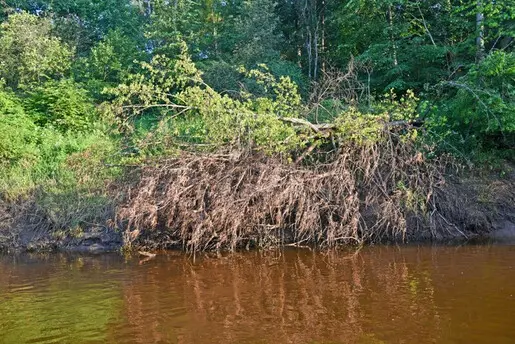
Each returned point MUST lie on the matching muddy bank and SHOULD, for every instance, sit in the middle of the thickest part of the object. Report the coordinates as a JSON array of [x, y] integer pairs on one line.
[[23, 227], [92, 240], [221, 203], [485, 204]]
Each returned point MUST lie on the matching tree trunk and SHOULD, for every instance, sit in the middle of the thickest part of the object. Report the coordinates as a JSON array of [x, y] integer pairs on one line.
[[309, 44], [392, 38], [323, 35], [480, 28], [315, 63]]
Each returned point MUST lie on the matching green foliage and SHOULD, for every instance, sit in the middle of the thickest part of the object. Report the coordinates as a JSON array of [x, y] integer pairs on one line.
[[199, 23], [17, 132], [108, 63], [229, 79], [82, 23], [222, 76], [50, 163], [367, 126], [222, 36], [29, 52], [410, 44], [480, 109], [284, 68], [403, 108], [252, 122], [360, 128], [62, 104], [280, 96], [152, 91], [186, 110], [257, 38], [54, 153]]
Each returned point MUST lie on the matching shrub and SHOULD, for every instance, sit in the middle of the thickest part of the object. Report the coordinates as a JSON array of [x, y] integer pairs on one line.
[[17, 131], [62, 104]]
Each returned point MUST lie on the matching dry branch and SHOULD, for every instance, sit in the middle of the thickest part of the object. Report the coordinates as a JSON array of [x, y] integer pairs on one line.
[[366, 193]]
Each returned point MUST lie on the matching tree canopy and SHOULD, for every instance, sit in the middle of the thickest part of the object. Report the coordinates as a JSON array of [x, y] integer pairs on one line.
[[149, 78]]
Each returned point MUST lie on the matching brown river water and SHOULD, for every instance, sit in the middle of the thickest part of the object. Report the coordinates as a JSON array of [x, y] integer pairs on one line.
[[383, 294]]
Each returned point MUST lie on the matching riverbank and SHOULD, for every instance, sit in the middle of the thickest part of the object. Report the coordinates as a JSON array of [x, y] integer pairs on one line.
[[223, 203]]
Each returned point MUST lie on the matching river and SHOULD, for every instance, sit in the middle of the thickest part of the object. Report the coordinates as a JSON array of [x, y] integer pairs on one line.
[[409, 294]]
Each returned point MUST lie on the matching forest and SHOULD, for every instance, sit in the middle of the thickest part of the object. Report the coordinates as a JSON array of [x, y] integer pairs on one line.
[[221, 124]]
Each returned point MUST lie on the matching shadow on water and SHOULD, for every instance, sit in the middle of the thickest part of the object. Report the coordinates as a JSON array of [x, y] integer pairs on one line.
[[411, 294]]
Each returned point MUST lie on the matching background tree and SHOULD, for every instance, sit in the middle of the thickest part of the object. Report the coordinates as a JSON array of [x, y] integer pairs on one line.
[[82, 23], [29, 52]]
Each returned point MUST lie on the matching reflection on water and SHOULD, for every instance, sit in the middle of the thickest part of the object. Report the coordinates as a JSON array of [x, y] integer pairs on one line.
[[378, 295]]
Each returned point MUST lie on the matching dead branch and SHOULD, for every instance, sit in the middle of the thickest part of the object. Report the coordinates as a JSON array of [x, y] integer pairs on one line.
[[364, 193], [318, 128]]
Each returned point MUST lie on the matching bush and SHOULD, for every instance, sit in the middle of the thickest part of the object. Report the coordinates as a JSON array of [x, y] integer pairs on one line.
[[51, 156], [17, 132], [62, 104], [222, 77], [57, 162], [109, 61]]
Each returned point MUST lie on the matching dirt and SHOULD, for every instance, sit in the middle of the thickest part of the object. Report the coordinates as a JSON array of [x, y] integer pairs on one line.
[[19, 232], [486, 203]]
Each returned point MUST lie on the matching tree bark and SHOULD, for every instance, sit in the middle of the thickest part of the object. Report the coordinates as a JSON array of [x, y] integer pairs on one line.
[[323, 35], [480, 28], [392, 38]]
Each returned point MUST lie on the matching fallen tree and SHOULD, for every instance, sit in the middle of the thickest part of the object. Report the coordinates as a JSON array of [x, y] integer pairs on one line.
[[382, 190]]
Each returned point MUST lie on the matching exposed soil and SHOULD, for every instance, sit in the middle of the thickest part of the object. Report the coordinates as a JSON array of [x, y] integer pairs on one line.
[[24, 228]]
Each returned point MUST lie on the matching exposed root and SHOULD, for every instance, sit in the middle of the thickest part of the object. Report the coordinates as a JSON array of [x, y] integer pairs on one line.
[[362, 193]]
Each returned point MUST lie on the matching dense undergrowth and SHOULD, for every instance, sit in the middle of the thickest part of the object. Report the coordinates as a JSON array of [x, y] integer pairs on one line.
[[152, 146]]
